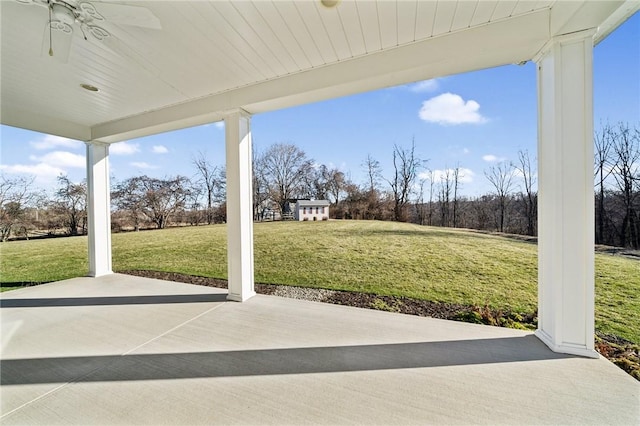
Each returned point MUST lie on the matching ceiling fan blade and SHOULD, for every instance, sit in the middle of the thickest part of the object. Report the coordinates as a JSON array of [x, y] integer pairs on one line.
[[136, 16], [58, 46]]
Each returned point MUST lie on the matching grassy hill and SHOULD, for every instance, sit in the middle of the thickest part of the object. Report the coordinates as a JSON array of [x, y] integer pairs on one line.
[[386, 258]]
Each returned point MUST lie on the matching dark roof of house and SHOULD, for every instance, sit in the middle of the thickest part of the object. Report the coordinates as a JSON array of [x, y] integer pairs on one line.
[[313, 203]]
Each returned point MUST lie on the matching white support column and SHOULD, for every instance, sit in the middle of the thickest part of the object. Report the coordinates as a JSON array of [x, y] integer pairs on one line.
[[565, 195], [99, 209], [239, 205]]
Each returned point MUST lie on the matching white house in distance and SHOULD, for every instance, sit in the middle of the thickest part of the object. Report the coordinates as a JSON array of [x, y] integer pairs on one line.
[[312, 210]]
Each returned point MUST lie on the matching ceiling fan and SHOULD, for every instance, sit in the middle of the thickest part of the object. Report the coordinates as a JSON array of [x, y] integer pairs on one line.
[[67, 16]]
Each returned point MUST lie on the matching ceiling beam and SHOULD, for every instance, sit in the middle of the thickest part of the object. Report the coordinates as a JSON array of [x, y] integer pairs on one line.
[[43, 124]]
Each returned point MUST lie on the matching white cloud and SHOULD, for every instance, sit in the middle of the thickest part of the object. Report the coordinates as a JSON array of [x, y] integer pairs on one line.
[[424, 175], [464, 175], [60, 159], [217, 124], [450, 108], [124, 148], [425, 86], [160, 149], [40, 171], [51, 142], [46, 168], [465, 151], [143, 165], [490, 158]]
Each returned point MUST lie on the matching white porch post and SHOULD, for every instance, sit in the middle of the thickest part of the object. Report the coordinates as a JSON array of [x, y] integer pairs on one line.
[[239, 205], [565, 198], [99, 209]]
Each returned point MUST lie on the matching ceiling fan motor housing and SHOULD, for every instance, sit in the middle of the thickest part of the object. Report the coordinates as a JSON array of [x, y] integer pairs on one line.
[[62, 13]]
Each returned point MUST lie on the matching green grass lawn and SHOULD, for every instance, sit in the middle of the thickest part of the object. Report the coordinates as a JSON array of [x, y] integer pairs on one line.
[[378, 257]]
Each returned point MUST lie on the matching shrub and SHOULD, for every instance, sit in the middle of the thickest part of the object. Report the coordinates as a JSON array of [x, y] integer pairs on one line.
[[469, 316], [381, 305], [499, 318]]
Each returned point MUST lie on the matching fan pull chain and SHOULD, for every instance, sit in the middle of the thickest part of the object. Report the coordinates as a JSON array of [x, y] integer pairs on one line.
[[50, 37], [83, 33]]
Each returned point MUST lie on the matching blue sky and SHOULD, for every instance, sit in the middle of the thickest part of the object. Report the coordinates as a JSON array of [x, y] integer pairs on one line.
[[470, 120]]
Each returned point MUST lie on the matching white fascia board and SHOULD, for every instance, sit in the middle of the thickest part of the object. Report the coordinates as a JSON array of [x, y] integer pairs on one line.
[[617, 18], [571, 16], [43, 124], [508, 41]]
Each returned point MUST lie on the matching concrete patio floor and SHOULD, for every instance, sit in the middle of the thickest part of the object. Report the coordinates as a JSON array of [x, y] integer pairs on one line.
[[130, 350]]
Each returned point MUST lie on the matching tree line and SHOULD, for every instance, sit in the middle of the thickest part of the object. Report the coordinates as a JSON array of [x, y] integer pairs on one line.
[[409, 192]]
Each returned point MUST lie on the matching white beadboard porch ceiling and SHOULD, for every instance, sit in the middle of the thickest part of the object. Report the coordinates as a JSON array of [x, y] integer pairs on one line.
[[214, 56]]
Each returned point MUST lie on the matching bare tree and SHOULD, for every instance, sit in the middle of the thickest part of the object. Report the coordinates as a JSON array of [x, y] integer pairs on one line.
[[456, 187], [163, 197], [406, 167], [157, 199], [480, 206], [322, 183], [195, 214], [626, 172], [17, 195], [336, 183], [355, 202], [431, 177], [421, 207], [260, 186], [374, 172], [71, 204], [128, 197], [501, 177], [528, 196], [211, 180], [285, 168], [444, 197], [314, 183], [603, 144], [372, 194]]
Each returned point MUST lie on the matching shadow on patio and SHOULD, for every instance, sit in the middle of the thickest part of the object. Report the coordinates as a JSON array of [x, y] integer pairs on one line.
[[113, 300], [274, 361]]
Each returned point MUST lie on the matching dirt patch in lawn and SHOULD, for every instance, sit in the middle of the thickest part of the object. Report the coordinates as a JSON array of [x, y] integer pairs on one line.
[[621, 352]]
